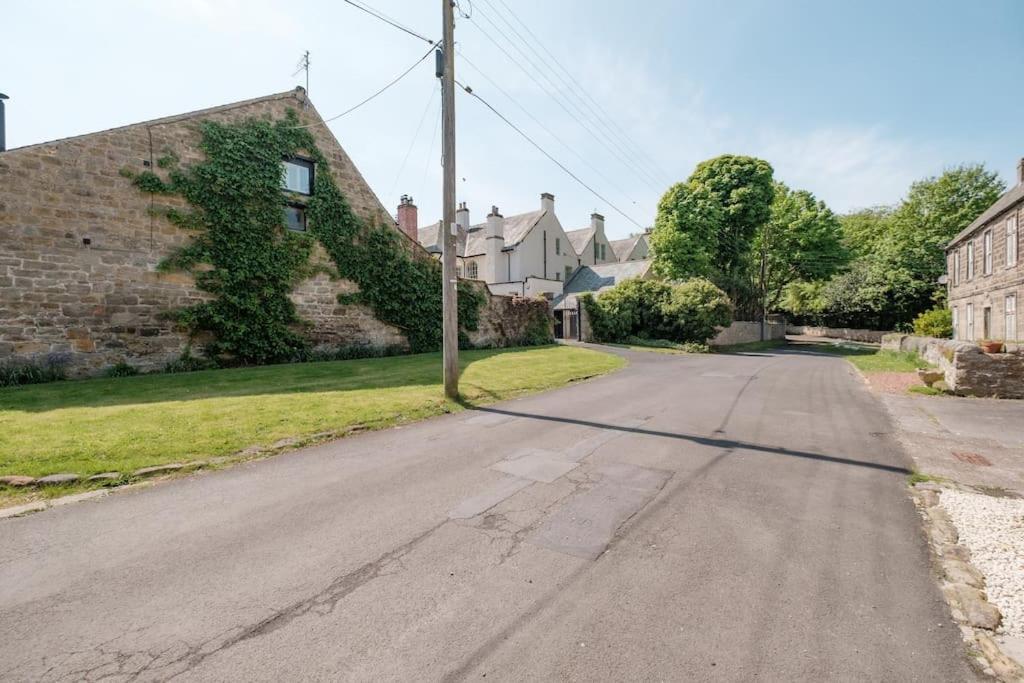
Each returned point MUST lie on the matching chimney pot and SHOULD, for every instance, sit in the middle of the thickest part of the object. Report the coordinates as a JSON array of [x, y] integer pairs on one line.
[[462, 216], [547, 201], [494, 212], [408, 218]]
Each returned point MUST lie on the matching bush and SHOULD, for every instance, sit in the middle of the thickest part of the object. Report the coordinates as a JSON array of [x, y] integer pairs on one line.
[[121, 369], [189, 363], [687, 312], [938, 322], [50, 369]]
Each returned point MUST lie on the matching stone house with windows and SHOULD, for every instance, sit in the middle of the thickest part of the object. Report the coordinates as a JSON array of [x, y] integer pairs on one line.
[[633, 248], [591, 243], [985, 276], [525, 254], [80, 245]]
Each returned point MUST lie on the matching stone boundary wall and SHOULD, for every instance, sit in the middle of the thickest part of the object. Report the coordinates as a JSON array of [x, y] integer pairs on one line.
[[968, 370], [747, 331], [848, 333]]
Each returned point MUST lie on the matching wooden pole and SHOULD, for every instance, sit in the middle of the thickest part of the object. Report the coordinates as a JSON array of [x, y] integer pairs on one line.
[[449, 289]]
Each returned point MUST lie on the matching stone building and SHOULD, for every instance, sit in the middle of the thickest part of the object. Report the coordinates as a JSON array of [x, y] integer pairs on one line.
[[985, 276], [79, 246]]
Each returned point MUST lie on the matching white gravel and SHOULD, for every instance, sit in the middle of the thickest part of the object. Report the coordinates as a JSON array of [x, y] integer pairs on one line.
[[993, 530]]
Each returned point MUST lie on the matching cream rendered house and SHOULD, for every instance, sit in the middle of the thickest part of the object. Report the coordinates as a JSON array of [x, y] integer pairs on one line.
[[526, 254], [591, 243]]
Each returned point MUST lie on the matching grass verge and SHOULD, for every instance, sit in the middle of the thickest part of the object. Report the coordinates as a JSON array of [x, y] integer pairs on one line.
[[870, 359], [660, 346], [751, 346], [122, 424]]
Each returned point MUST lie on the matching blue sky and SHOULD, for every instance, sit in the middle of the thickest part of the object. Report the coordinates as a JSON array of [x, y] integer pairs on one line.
[[851, 100]]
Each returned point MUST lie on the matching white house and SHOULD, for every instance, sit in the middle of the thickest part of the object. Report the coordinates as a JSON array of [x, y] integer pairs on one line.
[[591, 243], [633, 248], [526, 254]]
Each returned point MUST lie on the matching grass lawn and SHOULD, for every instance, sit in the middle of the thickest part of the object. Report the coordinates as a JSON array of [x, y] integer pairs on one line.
[[103, 425], [660, 346], [765, 345], [870, 359]]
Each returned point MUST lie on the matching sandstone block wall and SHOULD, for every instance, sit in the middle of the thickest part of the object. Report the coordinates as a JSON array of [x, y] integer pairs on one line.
[[851, 334], [968, 370], [79, 247], [746, 331]]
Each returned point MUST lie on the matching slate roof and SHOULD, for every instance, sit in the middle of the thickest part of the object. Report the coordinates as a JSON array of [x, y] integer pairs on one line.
[[599, 278], [579, 238], [1011, 197], [623, 248], [516, 229]]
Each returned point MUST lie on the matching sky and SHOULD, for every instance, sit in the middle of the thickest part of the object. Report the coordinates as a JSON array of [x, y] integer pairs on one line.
[[850, 100]]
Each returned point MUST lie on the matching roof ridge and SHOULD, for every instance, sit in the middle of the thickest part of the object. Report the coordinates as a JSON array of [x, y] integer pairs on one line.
[[298, 92]]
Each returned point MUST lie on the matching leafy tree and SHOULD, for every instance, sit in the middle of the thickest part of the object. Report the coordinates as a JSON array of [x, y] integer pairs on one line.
[[742, 187], [938, 322], [802, 240], [864, 230], [685, 235], [694, 310]]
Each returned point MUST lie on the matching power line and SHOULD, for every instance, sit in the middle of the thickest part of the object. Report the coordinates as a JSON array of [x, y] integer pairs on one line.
[[544, 127], [601, 136], [573, 115], [388, 20], [543, 151], [430, 150], [412, 143], [374, 95], [572, 82]]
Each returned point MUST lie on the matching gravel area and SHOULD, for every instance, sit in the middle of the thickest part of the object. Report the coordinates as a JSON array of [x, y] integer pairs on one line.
[[892, 382], [993, 529]]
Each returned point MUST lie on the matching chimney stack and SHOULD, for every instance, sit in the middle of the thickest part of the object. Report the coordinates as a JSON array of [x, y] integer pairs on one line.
[[494, 242], [3, 124], [462, 216], [597, 223], [408, 218], [1020, 164], [547, 201]]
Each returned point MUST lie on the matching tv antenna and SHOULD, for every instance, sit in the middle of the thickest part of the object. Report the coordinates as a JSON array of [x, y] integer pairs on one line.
[[303, 65]]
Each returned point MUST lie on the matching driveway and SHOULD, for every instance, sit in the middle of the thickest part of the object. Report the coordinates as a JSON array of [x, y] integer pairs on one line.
[[724, 517]]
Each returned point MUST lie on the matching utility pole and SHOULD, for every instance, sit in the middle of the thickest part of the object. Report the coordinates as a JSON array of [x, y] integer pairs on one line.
[[304, 66], [449, 283]]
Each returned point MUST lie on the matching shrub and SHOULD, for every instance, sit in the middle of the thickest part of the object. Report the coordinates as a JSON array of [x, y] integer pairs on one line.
[[938, 322], [687, 312], [121, 369], [49, 369], [189, 363]]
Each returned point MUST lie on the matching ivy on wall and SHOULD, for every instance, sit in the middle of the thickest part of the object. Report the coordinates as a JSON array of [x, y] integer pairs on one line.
[[244, 256]]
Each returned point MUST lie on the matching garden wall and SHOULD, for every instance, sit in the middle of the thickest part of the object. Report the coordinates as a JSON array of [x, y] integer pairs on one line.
[[746, 331], [968, 370], [848, 333]]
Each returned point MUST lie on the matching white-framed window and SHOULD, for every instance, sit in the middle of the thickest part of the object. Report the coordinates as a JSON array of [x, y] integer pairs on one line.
[[987, 253], [969, 323], [1010, 317], [472, 270], [956, 323], [970, 260], [956, 267], [298, 175], [1011, 241]]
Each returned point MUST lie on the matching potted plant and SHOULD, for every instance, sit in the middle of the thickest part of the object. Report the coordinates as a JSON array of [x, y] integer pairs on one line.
[[991, 346]]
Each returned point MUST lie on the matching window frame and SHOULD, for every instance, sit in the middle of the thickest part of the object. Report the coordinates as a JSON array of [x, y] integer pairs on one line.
[[309, 164], [558, 246], [472, 271], [969, 321], [301, 208], [597, 251], [1010, 313], [970, 260], [1012, 237], [956, 321], [986, 252], [956, 266]]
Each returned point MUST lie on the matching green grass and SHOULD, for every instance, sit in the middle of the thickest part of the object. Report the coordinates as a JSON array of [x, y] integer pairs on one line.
[[660, 346], [752, 346], [121, 424], [926, 390], [921, 477], [870, 359]]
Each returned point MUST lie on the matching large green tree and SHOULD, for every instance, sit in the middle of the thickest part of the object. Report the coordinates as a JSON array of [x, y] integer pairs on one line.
[[685, 234], [801, 241]]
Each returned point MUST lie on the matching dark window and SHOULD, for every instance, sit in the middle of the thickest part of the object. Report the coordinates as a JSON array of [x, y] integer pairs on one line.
[[558, 245], [295, 218], [298, 175]]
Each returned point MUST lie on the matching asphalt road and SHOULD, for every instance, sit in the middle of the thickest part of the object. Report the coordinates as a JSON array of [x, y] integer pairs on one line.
[[723, 517]]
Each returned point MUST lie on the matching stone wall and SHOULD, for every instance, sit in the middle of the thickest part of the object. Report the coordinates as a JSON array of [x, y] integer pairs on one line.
[[746, 331], [507, 320], [848, 333], [968, 370], [79, 246]]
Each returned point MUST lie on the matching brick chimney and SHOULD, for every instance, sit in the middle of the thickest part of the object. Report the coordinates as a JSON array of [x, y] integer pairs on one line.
[[408, 218]]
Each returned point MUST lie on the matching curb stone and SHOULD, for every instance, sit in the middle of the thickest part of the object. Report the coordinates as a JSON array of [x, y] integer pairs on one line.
[[962, 587], [17, 480], [64, 478]]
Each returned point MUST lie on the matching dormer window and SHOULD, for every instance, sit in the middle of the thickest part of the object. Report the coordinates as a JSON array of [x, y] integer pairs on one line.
[[298, 175]]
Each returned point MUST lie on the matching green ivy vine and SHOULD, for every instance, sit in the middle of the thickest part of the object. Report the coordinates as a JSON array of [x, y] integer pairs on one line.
[[243, 255]]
